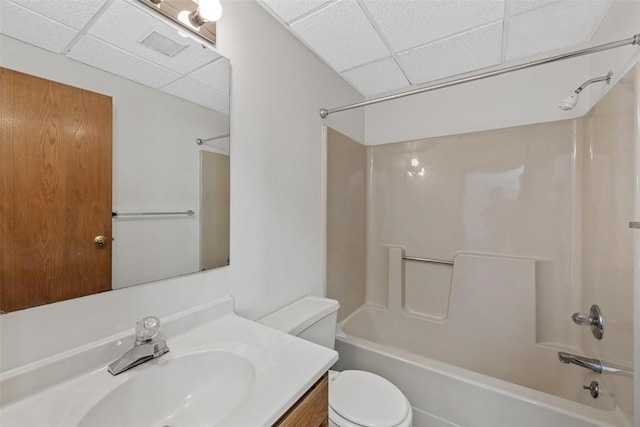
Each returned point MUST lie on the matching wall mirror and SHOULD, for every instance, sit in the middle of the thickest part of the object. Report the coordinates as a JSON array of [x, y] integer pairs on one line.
[[115, 149]]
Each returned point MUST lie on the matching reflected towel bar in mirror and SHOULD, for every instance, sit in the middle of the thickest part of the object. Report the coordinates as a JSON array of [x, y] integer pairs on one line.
[[188, 213], [431, 260]]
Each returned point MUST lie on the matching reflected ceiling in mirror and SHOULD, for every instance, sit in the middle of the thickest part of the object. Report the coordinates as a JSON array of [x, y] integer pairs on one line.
[[125, 38], [167, 92]]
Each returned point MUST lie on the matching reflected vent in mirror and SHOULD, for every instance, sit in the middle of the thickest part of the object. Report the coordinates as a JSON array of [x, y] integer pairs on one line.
[[162, 44]]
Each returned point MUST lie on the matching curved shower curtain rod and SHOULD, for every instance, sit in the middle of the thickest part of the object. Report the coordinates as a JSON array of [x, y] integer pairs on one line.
[[635, 40]]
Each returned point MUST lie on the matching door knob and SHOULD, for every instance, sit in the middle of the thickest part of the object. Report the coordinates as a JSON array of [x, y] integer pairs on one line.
[[100, 241]]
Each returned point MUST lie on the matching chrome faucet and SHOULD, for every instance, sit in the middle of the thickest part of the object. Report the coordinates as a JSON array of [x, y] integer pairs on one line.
[[144, 349], [594, 365], [594, 320]]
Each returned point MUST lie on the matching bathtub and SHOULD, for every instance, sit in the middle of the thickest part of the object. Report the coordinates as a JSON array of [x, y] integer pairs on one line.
[[442, 394]]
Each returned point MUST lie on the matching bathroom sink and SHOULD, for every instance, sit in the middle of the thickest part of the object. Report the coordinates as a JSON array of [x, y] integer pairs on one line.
[[222, 370], [198, 389]]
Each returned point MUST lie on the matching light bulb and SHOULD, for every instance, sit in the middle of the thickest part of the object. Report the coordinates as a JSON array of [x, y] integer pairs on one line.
[[210, 10]]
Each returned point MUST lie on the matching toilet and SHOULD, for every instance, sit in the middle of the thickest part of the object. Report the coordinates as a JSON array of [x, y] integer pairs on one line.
[[356, 398]]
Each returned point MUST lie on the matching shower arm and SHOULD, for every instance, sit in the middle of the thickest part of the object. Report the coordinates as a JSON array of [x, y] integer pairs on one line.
[[606, 78]]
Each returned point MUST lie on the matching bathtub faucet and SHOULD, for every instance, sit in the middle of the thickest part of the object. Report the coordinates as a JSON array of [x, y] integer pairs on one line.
[[594, 365]]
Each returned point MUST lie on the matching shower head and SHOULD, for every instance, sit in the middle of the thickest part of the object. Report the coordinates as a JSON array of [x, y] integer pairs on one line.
[[570, 102]]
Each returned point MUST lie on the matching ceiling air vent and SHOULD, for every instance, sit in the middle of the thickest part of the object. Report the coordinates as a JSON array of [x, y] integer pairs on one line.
[[162, 44]]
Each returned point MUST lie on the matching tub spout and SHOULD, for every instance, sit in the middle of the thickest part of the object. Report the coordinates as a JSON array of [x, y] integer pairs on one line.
[[592, 364], [595, 365]]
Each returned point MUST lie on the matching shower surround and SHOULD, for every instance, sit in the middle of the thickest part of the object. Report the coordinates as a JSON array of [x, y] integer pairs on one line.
[[534, 218]]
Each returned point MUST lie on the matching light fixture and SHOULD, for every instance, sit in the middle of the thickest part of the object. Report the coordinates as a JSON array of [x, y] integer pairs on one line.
[[570, 102], [207, 11], [185, 19], [196, 18]]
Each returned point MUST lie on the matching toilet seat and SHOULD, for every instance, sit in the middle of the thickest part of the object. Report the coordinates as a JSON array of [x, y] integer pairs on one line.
[[359, 398]]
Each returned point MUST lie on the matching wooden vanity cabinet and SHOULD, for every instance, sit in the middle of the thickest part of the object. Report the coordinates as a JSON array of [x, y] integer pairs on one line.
[[311, 410]]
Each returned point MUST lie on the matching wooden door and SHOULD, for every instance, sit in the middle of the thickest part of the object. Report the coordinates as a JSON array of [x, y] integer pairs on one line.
[[55, 191]]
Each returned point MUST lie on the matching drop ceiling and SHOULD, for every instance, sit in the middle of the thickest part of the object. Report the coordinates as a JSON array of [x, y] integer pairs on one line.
[[383, 46], [124, 38]]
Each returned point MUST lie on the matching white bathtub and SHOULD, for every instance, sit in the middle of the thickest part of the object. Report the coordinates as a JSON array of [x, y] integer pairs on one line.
[[446, 395]]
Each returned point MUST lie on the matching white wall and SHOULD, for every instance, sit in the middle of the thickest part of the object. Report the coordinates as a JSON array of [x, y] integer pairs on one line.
[[277, 88]]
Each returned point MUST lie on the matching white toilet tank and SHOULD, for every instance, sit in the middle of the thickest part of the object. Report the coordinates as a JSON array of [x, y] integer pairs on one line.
[[310, 318]]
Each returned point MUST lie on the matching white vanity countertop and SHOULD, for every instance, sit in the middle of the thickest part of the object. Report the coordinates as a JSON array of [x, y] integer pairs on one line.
[[285, 367]]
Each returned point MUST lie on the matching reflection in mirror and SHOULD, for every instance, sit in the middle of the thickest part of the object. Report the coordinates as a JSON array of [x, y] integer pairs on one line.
[[114, 127]]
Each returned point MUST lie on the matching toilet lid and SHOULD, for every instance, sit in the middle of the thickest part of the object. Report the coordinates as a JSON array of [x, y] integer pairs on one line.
[[367, 399]]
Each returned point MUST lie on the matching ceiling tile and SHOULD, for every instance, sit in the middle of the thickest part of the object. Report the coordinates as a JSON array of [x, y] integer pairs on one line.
[[198, 93], [74, 13], [517, 7], [108, 58], [466, 52], [125, 26], [378, 77], [215, 75], [559, 25], [410, 23], [18, 22], [288, 10], [342, 35]]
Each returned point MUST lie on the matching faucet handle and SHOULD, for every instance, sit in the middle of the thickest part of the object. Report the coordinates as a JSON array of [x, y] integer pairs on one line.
[[594, 320], [147, 329], [581, 319]]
